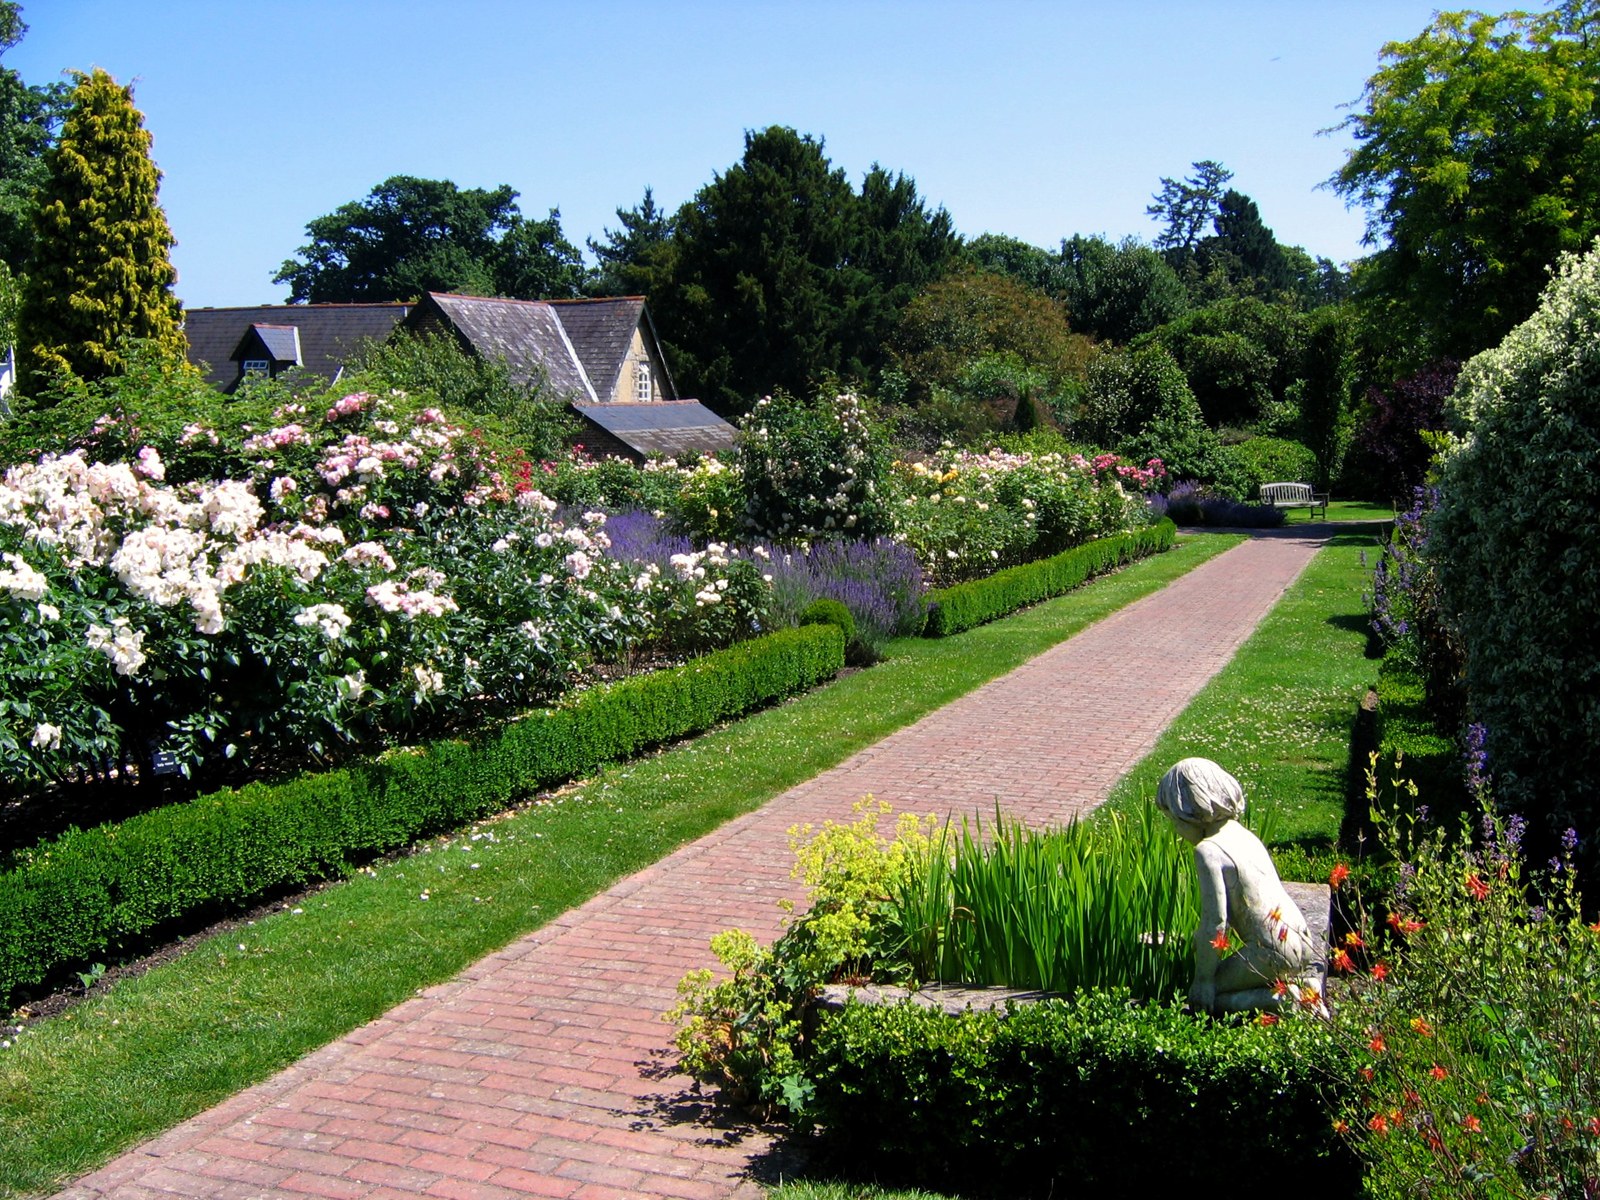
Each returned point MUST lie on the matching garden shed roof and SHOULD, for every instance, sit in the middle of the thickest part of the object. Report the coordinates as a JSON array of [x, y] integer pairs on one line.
[[669, 427], [527, 334]]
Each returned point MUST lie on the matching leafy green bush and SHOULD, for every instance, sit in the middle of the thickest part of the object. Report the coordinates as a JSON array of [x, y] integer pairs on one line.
[[829, 612], [89, 892], [970, 604], [1261, 460], [1096, 1096], [1519, 573]]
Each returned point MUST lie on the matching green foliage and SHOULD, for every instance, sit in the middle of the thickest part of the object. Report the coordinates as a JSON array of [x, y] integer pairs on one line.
[[637, 259], [1519, 579], [814, 468], [1475, 160], [29, 117], [1261, 460], [959, 608], [1242, 358], [1475, 1017], [829, 612], [68, 901], [974, 315], [1125, 390], [1096, 904], [1095, 1096], [1327, 391], [412, 235], [435, 365], [99, 274], [1117, 292], [783, 276], [1187, 206]]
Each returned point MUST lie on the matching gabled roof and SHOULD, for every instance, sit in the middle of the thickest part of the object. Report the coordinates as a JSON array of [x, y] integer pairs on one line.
[[527, 334], [670, 427], [601, 331], [329, 334], [280, 343]]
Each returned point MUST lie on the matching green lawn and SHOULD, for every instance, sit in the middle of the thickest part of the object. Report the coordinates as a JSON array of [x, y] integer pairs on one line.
[[149, 1052]]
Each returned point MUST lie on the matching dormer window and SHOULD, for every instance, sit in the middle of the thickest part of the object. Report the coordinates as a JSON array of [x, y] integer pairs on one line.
[[257, 366], [642, 393]]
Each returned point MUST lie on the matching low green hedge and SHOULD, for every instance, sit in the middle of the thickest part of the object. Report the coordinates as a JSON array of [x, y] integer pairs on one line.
[[1092, 1097], [967, 605], [102, 891]]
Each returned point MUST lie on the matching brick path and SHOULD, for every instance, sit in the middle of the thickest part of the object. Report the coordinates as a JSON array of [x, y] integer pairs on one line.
[[541, 1070]]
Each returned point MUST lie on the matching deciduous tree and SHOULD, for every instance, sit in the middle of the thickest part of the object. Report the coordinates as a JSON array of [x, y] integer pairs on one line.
[[99, 273], [1478, 163]]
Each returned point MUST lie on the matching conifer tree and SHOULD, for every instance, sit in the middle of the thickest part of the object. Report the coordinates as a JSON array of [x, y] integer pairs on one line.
[[99, 271]]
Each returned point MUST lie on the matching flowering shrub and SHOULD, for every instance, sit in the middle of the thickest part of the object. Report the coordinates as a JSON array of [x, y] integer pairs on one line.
[[812, 469], [965, 514], [371, 574], [1474, 1018], [1190, 503], [879, 581], [1404, 603]]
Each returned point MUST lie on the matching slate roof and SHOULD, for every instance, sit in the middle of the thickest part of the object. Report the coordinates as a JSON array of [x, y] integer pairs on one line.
[[526, 333], [669, 427], [601, 331], [329, 334], [281, 342]]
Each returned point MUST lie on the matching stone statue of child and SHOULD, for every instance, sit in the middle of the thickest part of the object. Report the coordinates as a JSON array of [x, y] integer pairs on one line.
[[1239, 892]]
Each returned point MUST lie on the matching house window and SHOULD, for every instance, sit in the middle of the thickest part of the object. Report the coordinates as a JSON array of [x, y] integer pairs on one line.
[[641, 383], [257, 366]]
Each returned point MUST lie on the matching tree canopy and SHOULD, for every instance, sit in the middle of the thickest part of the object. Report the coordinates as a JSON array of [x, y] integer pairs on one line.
[[784, 275], [1477, 160], [410, 236], [636, 259], [99, 271]]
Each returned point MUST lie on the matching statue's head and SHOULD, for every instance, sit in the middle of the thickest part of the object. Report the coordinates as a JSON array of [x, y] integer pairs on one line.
[[1199, 795]]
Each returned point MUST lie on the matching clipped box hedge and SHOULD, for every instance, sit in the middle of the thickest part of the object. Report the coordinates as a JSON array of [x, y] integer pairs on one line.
[[1088, 1097], [967, 605], [96, 892]]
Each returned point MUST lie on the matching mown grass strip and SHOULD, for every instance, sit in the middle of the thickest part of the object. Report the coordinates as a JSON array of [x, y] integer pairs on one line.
[[155, 1050], [1280, 715]]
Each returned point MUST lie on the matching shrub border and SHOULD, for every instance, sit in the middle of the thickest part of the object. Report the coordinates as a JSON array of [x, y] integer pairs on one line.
[[967, 605], [106, 890]]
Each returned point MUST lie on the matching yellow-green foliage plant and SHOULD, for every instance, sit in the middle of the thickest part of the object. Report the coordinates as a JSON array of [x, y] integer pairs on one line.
[[100, 274]]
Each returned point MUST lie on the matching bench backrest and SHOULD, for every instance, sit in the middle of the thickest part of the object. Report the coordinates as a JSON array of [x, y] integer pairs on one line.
[[1280, 493]]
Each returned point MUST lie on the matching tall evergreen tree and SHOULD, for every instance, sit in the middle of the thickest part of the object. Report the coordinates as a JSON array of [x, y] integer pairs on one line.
[[634, 260], [99, 271]]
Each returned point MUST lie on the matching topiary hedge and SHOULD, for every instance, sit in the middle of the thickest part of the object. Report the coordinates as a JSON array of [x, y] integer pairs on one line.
[[1094, 1096], [102, 891], [966, 605]]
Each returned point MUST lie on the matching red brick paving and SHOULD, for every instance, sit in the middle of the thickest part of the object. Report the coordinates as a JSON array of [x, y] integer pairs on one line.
[[542, 1069]]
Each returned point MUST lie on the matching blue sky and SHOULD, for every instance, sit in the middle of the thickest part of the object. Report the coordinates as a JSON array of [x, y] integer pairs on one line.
[[1024, 117]]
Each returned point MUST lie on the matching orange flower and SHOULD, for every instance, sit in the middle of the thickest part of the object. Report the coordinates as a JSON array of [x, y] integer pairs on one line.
[[1283, 933], [1377, 1045], [1418, 1025], [1595, 928], [1403, 924], [1280, 987], [1341, 961], [1379, 1123], [1380, 971], [1471, 1124], [1221, 940], [1338, 875], [1275, 915], [1439, 1073], [1310, 997], [1353, 940], [1341, 1127], [1368, 1073], [1267, 1019], [1594, 1126], [1478, 888]]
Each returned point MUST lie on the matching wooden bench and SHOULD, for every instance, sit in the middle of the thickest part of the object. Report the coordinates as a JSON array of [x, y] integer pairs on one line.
[[1294, 495]]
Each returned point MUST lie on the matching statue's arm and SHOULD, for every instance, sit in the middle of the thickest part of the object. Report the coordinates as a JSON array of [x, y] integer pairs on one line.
[[1210, 865]]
